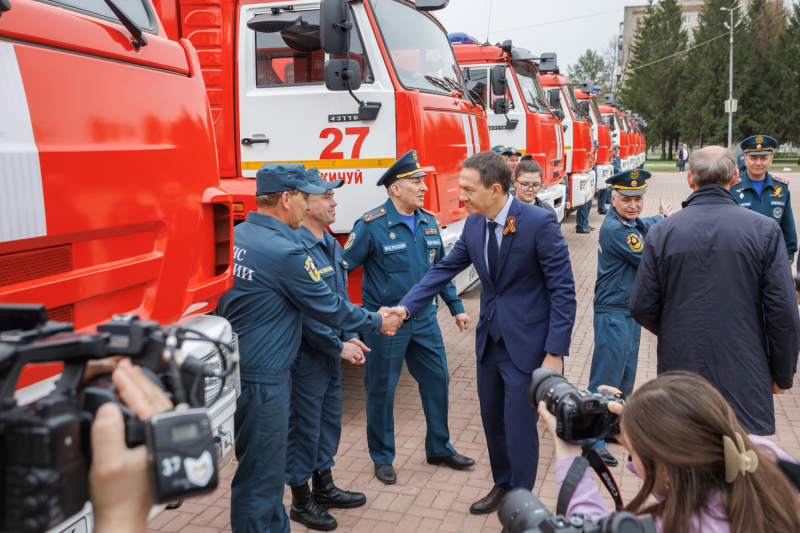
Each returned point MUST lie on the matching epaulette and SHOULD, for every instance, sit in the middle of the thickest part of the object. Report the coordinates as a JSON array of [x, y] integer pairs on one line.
[[431, 213], [372, 215], [780, 180]]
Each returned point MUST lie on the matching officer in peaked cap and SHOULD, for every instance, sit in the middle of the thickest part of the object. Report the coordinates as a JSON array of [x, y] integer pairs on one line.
[[275, 283], [620, 246], [397, 243], [760, 191]]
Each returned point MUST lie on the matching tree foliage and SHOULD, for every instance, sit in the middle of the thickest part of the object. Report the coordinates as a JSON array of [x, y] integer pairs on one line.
[[590, 67]]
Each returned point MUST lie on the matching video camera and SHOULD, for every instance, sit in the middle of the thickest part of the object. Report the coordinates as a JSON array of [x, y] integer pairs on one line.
[[580, 414], [521, 512], [44, 446]]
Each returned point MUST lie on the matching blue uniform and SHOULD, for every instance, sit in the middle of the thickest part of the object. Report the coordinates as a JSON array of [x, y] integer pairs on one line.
[[616, 334], [604, 195], [774, 203], [315, 420], [740, 162], [275, 282], [394, 260]]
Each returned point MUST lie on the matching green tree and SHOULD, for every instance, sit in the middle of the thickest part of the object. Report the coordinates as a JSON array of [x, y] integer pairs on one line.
[[783, 88], [654, 72], [590, 67]]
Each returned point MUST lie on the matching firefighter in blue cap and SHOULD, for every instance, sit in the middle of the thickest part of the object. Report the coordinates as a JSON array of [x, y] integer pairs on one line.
[[315, 420], [397, 243], [620, 245], [275, 282], [760, 191]]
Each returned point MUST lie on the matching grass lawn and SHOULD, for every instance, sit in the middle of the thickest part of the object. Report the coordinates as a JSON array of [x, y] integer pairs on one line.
[[658, 165]]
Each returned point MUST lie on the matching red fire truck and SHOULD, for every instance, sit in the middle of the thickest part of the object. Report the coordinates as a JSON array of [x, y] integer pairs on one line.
[[601, 133], [505, 80], [110, 198], [619, 132], [579, 149], [281, 90]]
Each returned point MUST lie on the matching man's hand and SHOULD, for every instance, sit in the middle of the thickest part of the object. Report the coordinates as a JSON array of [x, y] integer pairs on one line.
[[462, 321], [353, 351], [553, 362], [119, 486], [776, 389], [664, 207], [391, 320]]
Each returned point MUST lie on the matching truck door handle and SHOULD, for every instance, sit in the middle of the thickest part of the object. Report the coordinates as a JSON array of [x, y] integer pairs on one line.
[[247, 141]]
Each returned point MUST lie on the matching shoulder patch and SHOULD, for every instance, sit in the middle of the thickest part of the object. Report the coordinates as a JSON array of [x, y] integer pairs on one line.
[[780, 180], [634, 242], [372, 215], [738, 180], [428, 212]]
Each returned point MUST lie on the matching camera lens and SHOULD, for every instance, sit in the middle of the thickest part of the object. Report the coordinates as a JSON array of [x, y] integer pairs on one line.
[[520, 511], [544, 380]]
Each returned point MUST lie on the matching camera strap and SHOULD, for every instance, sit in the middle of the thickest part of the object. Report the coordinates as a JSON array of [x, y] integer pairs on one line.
[[575, 474]]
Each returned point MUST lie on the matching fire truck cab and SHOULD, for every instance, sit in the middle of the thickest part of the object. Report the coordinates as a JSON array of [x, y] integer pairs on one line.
[[505, 80], [601, 133]]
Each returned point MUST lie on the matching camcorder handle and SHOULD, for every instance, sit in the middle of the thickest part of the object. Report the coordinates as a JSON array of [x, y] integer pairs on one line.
[[575, 473]]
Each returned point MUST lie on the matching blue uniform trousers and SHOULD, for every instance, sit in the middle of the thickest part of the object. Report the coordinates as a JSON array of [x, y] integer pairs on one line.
[[603, 196], [261, 421], [616, 351], [315, 420], [582, 215], [509, 420], [422, 348]]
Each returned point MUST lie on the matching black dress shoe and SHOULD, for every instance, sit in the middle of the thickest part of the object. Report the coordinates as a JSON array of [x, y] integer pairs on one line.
[[591, 228], [456, 461], [306, 511], [579, 230], [328, 495], [385, 473], [602, 212], [607, 458], [490, 502]]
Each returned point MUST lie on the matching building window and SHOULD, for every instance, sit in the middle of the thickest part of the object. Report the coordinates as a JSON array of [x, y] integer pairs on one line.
[[687, 19]]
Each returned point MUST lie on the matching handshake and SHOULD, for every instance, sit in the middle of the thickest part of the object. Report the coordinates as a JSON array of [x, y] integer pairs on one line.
[[392, 318]]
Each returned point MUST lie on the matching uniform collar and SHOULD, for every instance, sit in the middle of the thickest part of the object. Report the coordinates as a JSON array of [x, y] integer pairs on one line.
[[273, 223], [747, 184], [393, 217], [625, 221], [310, 239]]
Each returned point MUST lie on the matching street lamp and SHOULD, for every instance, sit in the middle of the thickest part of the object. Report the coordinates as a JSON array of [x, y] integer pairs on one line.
[[730, 106]]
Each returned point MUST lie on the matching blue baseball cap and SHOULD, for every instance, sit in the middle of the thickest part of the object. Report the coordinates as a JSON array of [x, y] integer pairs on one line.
[[630, 182], [759, 145], [315, 178], [279, 177], [406, 167]]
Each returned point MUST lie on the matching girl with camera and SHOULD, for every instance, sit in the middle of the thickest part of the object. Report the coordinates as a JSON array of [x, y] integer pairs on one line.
[[705, 473]]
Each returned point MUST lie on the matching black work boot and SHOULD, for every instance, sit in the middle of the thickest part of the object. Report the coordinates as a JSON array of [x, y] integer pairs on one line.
[[327, 495], [306, 511]]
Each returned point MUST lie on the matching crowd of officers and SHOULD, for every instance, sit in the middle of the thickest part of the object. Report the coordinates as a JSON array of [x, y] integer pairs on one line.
[[289, 306]]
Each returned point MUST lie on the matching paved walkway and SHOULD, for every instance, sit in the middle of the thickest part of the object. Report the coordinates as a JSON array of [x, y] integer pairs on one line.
[[428, 498]]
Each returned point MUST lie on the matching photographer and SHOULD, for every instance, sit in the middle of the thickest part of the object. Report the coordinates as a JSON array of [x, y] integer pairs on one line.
[[119, 487], [694, 457]]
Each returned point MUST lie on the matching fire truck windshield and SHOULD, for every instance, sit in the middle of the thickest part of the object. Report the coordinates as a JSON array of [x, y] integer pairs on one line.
[[596, 109], [528, 80], [418, 46], [569, 93]]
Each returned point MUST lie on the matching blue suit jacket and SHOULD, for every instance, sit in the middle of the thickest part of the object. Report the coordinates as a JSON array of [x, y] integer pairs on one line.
[[534, 295]]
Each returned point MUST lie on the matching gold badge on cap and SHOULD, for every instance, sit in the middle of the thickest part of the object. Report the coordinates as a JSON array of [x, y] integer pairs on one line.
[[414, 154], [634, 174], [633, 183], [502, 148], [759, 140]]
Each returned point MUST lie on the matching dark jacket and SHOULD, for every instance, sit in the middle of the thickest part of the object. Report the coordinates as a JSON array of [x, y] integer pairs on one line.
[[715, 286]]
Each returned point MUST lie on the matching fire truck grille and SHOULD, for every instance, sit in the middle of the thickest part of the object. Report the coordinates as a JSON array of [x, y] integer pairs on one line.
[[34, 264], [61, 314]]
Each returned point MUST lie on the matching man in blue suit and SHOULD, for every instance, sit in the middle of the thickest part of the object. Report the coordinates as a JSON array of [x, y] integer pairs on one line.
[[527, 312]]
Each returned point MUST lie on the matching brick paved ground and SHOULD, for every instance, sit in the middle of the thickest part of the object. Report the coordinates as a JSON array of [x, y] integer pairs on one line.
[[428, 498]]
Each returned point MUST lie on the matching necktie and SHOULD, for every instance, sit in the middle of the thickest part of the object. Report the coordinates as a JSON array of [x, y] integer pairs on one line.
[[491, 250]]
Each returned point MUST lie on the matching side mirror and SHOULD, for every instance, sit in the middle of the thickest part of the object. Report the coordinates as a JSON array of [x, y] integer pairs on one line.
[[498, 80], [334, 27], [587, 87], [555, 98], [584, 106], [628, 113], [500, 106], [611, 123], [609, 98], [558, 114], [430, 5], [547, 62], [339, 76], [269, 23]]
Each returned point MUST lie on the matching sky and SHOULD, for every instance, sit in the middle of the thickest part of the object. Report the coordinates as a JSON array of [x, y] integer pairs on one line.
[[566, 27]]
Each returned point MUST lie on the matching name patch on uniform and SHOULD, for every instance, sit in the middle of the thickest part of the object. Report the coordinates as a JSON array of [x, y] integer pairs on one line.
[[745, 204], [433, 242], [350, 239], [394, 247], [777, 212], [778, 203], [431, 231], [634, 242], [324, 272], [311, 268]]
